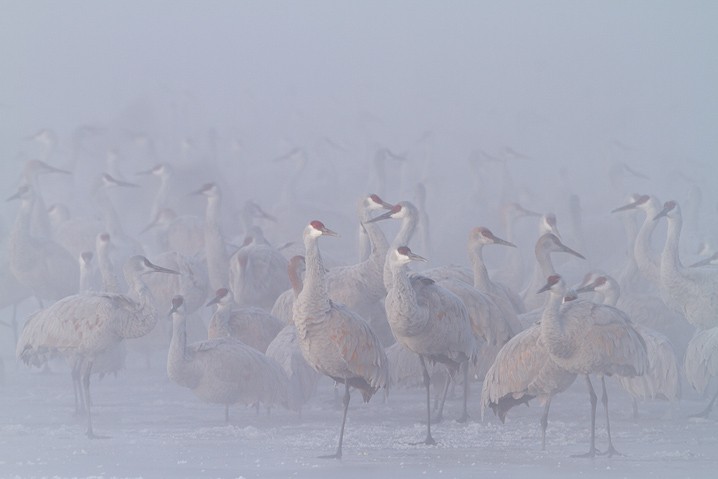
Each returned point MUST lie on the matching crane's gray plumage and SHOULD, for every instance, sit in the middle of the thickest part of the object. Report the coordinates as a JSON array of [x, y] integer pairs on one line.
[[83, 326], [255, 327], [334, 340], [587, 338], [223, 370], [429, 320]]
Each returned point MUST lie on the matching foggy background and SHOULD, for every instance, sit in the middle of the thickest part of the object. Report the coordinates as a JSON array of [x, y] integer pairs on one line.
[[221, 89], [573, 85]]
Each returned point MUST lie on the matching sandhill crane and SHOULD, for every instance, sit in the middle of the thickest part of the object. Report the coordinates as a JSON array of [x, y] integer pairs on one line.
[[647, 261], [285, 348], [223, 370], [661, 379], [691, 291], [39, 222], [214, 246], [334, 340], [183, 234], [257, 275], [429, 320], [75, 234], [253, 326], [701, 363], [503, 295], [40, 264], [83, 326], [284, 304], [524, 370], [546, 244], [12, 293], [126, 246], [360, 286], [162, 198], [512, 274], [588, 338]]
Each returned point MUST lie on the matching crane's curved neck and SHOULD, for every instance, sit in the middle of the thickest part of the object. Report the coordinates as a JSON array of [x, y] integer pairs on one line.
[[295, 280], [213, 212], [670, 260], [481, 274], [402, 306], [552, 327], [402, 238], [313, 302], [647, 262], [179, 365], [220, 320], [145, 318], [110, 283], [162, 196]]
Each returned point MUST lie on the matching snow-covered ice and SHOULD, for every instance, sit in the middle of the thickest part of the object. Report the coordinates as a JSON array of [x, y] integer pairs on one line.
[[158, 429]]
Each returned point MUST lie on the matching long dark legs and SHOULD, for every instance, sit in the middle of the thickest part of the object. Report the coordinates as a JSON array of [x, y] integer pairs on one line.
[[439, 416], [594, 399], [77, 386], [427, 381], [464, 413], [544, 423], [611, 451], [338, 454]]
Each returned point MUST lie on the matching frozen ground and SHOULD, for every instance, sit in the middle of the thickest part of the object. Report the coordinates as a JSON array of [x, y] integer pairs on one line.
[[160, 430]]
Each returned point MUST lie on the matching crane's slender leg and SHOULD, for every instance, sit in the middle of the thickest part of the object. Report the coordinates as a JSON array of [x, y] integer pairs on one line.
[[594, 399], [544, 423], [704, 413], [465, 414], [439, 416], [77, 387], [338, 454], [635, 409], [226, 413], [611, 451], [86, 371], [429, 441]]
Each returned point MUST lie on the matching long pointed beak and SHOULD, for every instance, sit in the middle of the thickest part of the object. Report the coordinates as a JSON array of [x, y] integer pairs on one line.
[[544, 288], [706, 261], [568, 250], [327, 232], [627, 207], [635, 173], [382, 216], [586, 289], [526, 212], [16, 196], [160, 269], [416, 257], [664, 212], [500, 241], [149, 226], [51, 169], [213, 301]]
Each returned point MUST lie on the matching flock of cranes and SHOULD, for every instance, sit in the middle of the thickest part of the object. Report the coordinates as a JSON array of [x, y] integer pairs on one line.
[[279, 322]]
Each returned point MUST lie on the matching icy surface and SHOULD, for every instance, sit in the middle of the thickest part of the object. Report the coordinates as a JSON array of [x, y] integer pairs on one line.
[[158, 429]]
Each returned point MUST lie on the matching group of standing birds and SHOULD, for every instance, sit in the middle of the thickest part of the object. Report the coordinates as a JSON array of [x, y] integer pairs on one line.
[[278, 324]]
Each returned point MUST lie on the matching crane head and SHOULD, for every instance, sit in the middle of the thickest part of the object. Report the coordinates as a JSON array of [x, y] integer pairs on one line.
[[221, 296], [637, 202], [86, 257], [177, 302], [551, 282], [22, 193], [316, 228], [483, 235], [374, 202], [208, 189], [668, 207], [712, 259], [108, 181], [404, 255]]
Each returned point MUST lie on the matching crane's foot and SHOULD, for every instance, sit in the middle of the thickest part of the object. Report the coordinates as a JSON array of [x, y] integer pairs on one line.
[[336, 455], [611, 451], [590, 453], [703, 414], [463, 418], [429, 441]]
